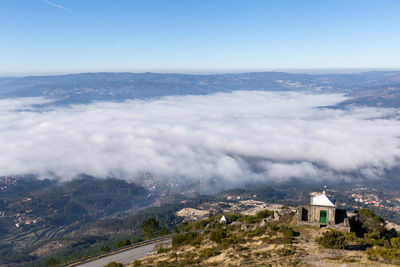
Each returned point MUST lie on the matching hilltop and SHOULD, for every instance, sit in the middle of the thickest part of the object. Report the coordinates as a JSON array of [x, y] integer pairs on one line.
[[272, 238]]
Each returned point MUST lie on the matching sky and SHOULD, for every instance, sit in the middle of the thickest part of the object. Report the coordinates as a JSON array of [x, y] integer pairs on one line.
[[278, 137], [69, 36]]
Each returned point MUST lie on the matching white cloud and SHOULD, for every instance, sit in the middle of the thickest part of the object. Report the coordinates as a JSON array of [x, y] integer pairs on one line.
[[238, 137]]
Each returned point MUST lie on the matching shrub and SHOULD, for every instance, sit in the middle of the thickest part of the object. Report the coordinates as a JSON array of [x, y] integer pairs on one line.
[[209, 252], [285, 252], [197, 240], [197, 225], [114, 264], [251, 219], [52, 262], [124, 243], [350, 236], [183, 239], [286, 231], [287, 235], [163, 250], [229, 241], [164, 231], [389, 254], [395, 242], [273, 227], [105, 248], [264, 214], [332, 239], [217, 235], [257, 232]]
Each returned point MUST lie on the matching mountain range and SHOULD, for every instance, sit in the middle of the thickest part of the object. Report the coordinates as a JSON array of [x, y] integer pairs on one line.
[[374, 88]]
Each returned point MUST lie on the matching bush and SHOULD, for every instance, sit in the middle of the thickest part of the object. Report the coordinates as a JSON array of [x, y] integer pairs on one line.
[[287, 235], [229, 241], [163, 250], [286, 231], [264, 214], [114, 264], [285, 252], [197, 225], [164, 231], [389, 254], [350, 236], [257, 232], [124, 243], [217, 235], [395, 242], [184, 239], [52, 262], [209, 252], [197, 240], [105, 249], [332, 239], [251, 219]]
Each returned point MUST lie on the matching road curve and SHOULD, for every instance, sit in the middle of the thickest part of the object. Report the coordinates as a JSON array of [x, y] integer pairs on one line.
[[124, 257]]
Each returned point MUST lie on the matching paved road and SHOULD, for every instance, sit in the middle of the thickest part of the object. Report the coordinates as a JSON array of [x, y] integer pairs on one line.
[[125, 257]]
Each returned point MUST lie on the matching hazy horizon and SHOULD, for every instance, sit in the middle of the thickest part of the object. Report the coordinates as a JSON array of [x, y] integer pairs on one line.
[[206, 72]]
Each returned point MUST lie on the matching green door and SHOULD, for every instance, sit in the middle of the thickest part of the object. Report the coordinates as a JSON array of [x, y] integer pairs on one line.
[[322, 216]]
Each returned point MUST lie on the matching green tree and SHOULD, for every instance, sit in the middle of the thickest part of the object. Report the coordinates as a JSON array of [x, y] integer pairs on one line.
[[373, 225], [150, 228]]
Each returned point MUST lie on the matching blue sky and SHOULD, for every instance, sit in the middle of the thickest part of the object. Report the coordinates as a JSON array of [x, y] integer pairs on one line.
[[62, 36]]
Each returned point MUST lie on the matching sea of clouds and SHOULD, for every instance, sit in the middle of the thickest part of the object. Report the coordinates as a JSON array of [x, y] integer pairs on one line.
[[237, 137]]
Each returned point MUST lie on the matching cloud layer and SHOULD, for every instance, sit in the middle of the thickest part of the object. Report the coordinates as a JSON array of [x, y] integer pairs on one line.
[[237, 137]]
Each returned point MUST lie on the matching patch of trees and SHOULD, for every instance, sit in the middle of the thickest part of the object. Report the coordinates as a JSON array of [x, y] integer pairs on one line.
[[151, 228]]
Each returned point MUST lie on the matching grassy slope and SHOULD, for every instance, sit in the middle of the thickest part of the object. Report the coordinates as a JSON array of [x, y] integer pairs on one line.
[[278, 243]]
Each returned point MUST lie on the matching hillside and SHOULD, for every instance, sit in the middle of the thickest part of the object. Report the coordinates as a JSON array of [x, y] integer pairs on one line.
[[39, 210], [110, 212], [274, 239]]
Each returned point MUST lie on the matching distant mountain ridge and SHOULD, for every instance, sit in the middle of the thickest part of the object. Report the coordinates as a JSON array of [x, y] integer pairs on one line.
[[88, 87]]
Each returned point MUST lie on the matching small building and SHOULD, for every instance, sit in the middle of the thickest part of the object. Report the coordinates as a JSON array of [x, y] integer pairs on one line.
[[322, 212], [223, 219]]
